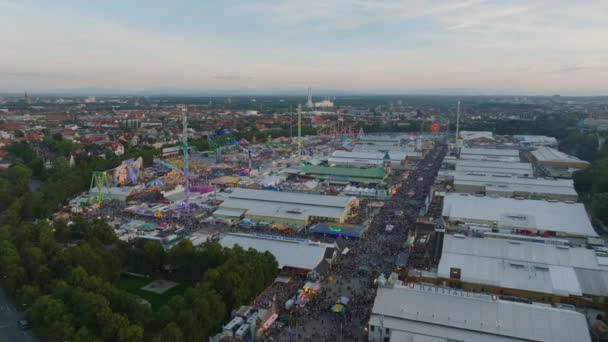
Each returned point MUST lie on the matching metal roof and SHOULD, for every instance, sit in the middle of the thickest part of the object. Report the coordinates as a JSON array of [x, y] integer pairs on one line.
[[559, 217], [376, 148], [344, 171], [498, 179], [395, 156], [494, 167], [355, 161], [535, 139], [464, 316], [281, 209], [548, 154], [489, 152], [532, 266], [226, 212], [493, 164], [516, 184], [291, 197], [288, 252]]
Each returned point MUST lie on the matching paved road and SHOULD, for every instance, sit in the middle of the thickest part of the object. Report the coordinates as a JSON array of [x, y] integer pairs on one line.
[[9, 331]]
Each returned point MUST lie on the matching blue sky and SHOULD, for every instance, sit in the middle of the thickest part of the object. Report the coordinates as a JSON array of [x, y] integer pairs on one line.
[[539, 47]]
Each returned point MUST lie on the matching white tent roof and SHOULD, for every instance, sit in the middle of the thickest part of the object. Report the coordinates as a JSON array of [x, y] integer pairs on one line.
[[464, 316], [288, 252], [564, 218]]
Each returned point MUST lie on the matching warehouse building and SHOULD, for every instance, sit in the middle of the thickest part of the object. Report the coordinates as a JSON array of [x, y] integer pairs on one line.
[[380, 139], [296, 209], [546, 157], [534, 141], [370, 159], [489, 154], [346, 175], [381, 148], [535, 268], [489, 167], [437, 314], [511, 186], [550, 218]]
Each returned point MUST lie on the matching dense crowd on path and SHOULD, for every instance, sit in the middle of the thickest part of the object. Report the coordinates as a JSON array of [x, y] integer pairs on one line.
[[277, 293]]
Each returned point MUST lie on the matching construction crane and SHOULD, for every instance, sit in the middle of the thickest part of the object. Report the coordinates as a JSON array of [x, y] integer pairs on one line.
[[299, 133]]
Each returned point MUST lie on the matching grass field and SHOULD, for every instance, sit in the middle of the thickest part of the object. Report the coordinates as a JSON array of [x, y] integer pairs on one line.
[[133, 285]]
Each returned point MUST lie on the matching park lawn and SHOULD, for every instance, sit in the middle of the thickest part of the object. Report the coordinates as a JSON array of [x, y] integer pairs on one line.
[[133, 285]]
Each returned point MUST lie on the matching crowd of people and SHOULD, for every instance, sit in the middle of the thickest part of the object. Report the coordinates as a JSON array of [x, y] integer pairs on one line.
[[277, 293]]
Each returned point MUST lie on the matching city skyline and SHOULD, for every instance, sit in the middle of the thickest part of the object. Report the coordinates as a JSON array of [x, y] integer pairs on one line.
[[510, 47]]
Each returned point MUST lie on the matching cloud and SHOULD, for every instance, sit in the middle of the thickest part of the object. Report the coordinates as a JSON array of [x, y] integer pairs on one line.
[[292, 43], [33, 74], [233, 78], [578, 68]]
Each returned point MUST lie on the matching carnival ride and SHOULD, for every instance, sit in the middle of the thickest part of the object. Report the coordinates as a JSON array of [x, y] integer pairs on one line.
[[221, 140], [337, 131], [128, 173], [186, 154], [101, 182]]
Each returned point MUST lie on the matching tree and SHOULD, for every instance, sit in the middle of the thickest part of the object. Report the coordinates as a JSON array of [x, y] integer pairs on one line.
[[599, 172], [85, 335], [22, 151], [28, 294], [19, 177], [599, 206], [155, 254], [170, 333], [132, 333], [51, 317]]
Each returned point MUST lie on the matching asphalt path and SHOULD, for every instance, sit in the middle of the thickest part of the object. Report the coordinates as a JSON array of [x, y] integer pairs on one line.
[[9, 330]]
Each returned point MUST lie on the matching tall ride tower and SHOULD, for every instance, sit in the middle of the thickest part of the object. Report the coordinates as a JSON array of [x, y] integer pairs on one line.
[[300, 133], [458, 120], [458, 140], [186, 152]]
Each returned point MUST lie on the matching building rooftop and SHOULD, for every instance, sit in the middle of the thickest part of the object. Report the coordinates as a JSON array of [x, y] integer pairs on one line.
[[377, 148], [344, 171], [494, 167], [542, 139], [463, 316], [278, 209], [548, 154], [282, 204], [529, 265], [562, 218], [291, 197], [356, 161], [489, 152], [471, 135], [516, 184], [290, 252]]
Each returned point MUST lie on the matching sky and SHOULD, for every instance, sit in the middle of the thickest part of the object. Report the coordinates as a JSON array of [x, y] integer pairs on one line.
[[410, 46]]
